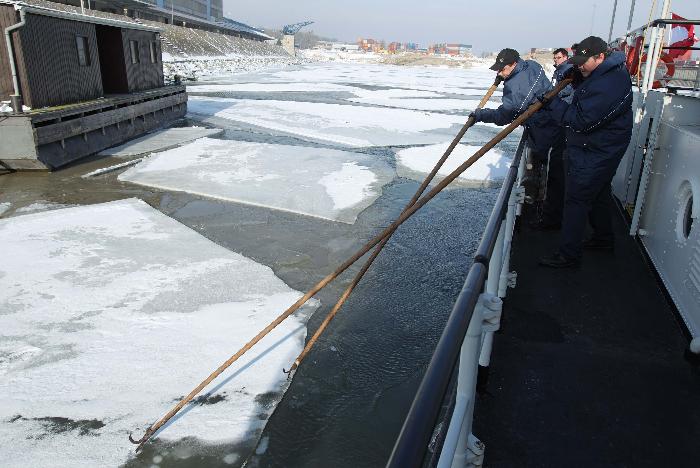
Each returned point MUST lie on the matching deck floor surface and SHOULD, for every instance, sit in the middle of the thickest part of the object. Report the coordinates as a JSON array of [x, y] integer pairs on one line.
[[588, 369]]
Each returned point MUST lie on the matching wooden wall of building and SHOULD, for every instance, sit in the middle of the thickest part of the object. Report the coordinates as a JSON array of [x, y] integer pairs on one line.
[[145, 74], [50, 71], [8, 17]]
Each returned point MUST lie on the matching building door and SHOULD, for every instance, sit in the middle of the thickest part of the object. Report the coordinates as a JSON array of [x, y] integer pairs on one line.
[[112, 61]]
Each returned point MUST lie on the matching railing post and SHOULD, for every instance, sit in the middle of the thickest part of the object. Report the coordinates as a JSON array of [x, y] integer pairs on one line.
[[508, 278], [499, 275], [492, 281], [494, 274], [461, 448], [521, 174]]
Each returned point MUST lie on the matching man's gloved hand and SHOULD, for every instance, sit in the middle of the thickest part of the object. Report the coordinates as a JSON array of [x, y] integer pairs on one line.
[[498, 80], [475, 115]]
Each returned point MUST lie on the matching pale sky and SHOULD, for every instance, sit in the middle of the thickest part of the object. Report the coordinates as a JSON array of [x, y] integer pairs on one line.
[[487, 25]]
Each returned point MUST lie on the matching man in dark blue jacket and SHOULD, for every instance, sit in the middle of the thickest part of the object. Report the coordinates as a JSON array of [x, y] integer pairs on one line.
[[553, 205], [598, 126], [524, 80], [562, 68]]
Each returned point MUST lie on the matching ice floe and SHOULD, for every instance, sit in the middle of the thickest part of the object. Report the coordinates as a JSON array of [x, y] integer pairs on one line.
[[391, 97], [4, 207], [110, 314], [415, 99], [160, 140], [419, 161], [270, 88], [324, 183], [40, 205], [349, 125], [472, 81]]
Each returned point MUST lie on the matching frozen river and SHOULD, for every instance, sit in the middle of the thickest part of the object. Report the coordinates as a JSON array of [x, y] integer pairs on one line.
[[312, 162]]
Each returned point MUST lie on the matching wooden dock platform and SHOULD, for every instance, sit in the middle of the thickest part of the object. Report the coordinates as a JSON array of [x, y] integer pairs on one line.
[[46, 139]]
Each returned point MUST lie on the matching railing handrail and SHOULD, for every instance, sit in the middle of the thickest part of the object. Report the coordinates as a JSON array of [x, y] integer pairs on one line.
[[412, 444]]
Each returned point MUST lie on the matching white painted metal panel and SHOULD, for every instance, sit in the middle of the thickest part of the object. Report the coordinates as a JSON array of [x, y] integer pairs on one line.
[[669, 225]]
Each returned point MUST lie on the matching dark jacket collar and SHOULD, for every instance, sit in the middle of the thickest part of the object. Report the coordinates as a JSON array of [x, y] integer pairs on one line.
[[520, 65], [611, 62], [562, 67]]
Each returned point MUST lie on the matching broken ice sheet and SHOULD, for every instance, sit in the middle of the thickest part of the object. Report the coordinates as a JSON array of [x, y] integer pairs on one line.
[[413, 99], [270, 88], [110, 314], [160, 140], [324, 183], [417, 162], [472, 81], [349, 125]]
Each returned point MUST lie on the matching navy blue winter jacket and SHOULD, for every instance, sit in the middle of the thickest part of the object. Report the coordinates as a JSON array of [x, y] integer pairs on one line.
[[567, 93], [520, 90], [599, 118]]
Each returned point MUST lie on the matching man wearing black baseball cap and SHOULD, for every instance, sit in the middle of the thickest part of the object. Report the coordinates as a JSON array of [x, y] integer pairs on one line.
[[505, 58], [588, 54], [524, 80], [598, 125]]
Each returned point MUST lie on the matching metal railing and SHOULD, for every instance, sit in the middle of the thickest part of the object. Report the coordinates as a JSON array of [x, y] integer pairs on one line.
[[465, 345]]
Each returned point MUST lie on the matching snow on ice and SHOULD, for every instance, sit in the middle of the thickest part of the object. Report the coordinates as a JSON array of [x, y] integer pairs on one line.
[[349, 125], [472, 81], [110, 314], [319, 182], [270, 88], [40, 205], [414, 99], [419, 161], [160, 140]]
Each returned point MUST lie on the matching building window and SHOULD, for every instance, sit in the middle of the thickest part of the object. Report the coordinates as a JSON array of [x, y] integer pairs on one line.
[[154, 53], [83, 51], [134, 46]]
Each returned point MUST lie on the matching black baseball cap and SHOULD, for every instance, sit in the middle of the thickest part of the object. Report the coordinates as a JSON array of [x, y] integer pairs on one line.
[[505, 57], [590, 46]]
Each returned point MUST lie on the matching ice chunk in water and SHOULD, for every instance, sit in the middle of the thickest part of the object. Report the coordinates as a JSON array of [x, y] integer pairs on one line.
[[110, 314], [349, 125], [419, 161], [324, 183]]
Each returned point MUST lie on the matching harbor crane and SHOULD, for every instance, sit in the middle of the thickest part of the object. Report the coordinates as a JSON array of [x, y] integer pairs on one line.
[[292, 29], [288, 36]]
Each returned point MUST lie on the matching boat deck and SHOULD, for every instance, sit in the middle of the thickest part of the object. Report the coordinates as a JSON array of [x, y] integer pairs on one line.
[[588, 369]]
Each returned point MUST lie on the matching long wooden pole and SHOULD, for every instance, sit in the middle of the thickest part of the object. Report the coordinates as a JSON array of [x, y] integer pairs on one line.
[[359, 254]]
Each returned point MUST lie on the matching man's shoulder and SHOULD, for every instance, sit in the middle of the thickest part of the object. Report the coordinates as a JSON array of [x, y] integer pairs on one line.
[[563, 68]]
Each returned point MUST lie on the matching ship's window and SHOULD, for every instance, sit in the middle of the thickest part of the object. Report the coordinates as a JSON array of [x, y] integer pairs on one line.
[[83, 52], [688, 217], [134, 46]]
